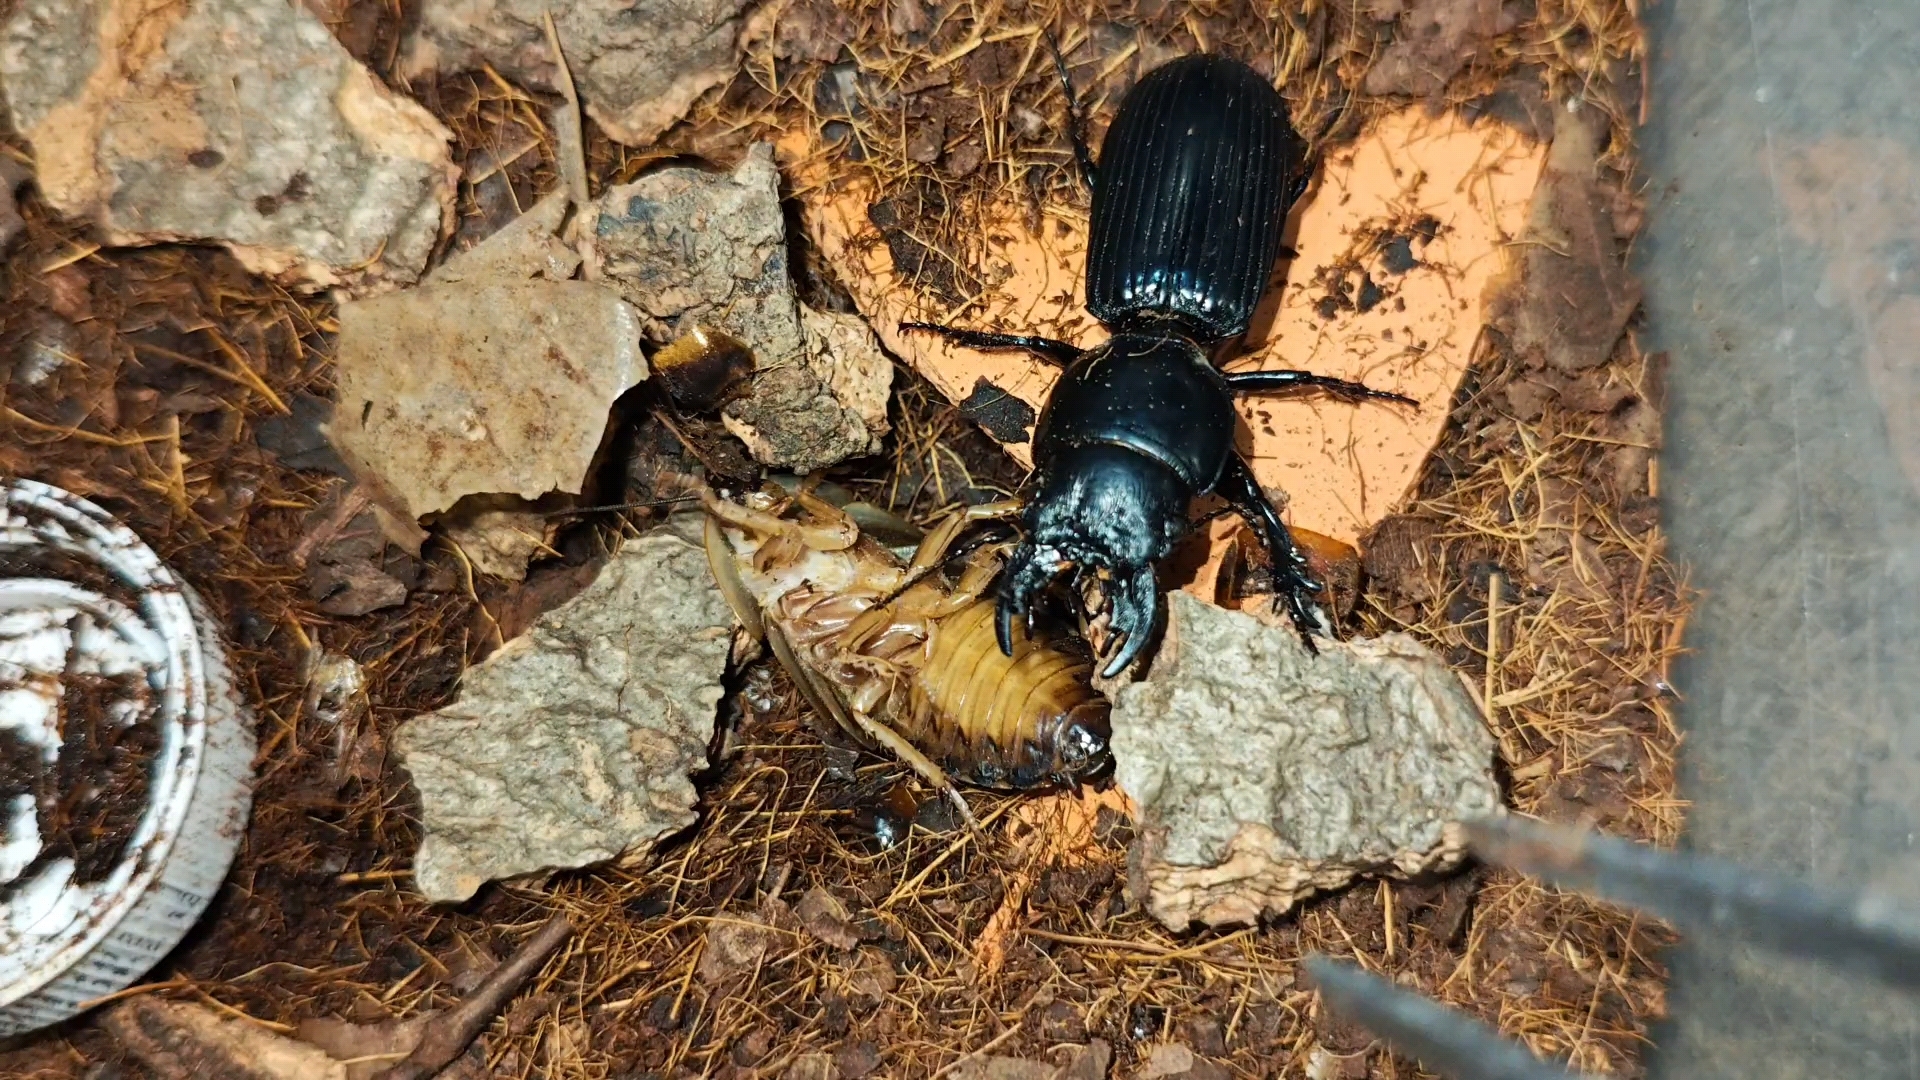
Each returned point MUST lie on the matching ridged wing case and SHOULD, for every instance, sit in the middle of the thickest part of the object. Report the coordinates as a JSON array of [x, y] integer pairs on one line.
[[1190, 197]]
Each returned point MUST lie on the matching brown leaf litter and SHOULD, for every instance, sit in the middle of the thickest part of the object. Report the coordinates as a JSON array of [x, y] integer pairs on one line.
[[185, 1039], [1054, 835], [1435, 40], [1566, 297], [639, 67]]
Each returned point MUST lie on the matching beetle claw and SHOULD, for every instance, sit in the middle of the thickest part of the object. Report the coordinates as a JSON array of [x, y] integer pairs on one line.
[[1026, 573], [1134, 600], [1300, 592]]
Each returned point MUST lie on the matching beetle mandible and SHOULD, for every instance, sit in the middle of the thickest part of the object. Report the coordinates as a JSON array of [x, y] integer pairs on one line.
[[1195, 178]]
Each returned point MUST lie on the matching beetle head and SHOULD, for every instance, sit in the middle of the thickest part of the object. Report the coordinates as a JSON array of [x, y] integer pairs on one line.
[[1107, 513]]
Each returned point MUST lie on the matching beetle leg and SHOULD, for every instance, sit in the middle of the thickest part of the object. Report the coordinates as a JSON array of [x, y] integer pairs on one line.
[[1254, 382], [1239, 488], [1298, 186], [1076, 123], [1059, 352]]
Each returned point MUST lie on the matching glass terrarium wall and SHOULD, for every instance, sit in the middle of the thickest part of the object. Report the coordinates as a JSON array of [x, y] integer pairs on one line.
[[1782, 269]]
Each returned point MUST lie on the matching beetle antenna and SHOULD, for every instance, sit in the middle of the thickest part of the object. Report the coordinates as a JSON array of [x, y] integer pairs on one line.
[[1076, 124]]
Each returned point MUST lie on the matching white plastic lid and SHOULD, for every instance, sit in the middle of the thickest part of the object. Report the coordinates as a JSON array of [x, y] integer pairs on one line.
[[81, 598]]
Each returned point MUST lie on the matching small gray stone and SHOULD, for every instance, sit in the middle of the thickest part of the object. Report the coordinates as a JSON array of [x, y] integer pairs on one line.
[[574, 743], [825, 917], [1089, 1062], [830, 406], [812, 1067], [637, 64], [856, 1060], [526, 247], [353, 588], [998, 1067], [688, 248], [450, 390], [1264, 774]]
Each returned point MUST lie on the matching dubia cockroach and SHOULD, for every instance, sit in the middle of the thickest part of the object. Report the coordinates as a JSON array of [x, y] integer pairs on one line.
[[903, 656], [703, 369]]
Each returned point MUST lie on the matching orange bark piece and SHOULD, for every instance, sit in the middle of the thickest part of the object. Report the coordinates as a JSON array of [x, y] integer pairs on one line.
[[1343, 467], [1054, 830]]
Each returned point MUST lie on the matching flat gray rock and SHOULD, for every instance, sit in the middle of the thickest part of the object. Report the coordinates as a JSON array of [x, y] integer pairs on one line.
[[240, 122], [575, 743], [638, 65], [449, 390], [1264, 774], [689, 247]]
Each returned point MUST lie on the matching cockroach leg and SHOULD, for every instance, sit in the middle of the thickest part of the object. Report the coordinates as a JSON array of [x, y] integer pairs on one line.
[[982, 567], [812, 503], [875, 621], [934, 547], [980, 572], [940, 540], [838, 533], [745, 518], [838, 536], [822, 699], [919, 762]]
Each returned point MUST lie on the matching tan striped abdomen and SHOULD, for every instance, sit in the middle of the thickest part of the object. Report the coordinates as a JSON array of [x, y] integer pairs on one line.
[[1005, 722]]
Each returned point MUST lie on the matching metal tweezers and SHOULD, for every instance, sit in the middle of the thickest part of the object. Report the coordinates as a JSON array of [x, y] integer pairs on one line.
[[1868, 935]]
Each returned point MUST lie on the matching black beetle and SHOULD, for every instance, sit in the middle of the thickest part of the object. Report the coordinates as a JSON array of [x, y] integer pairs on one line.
[[1195, 178]]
